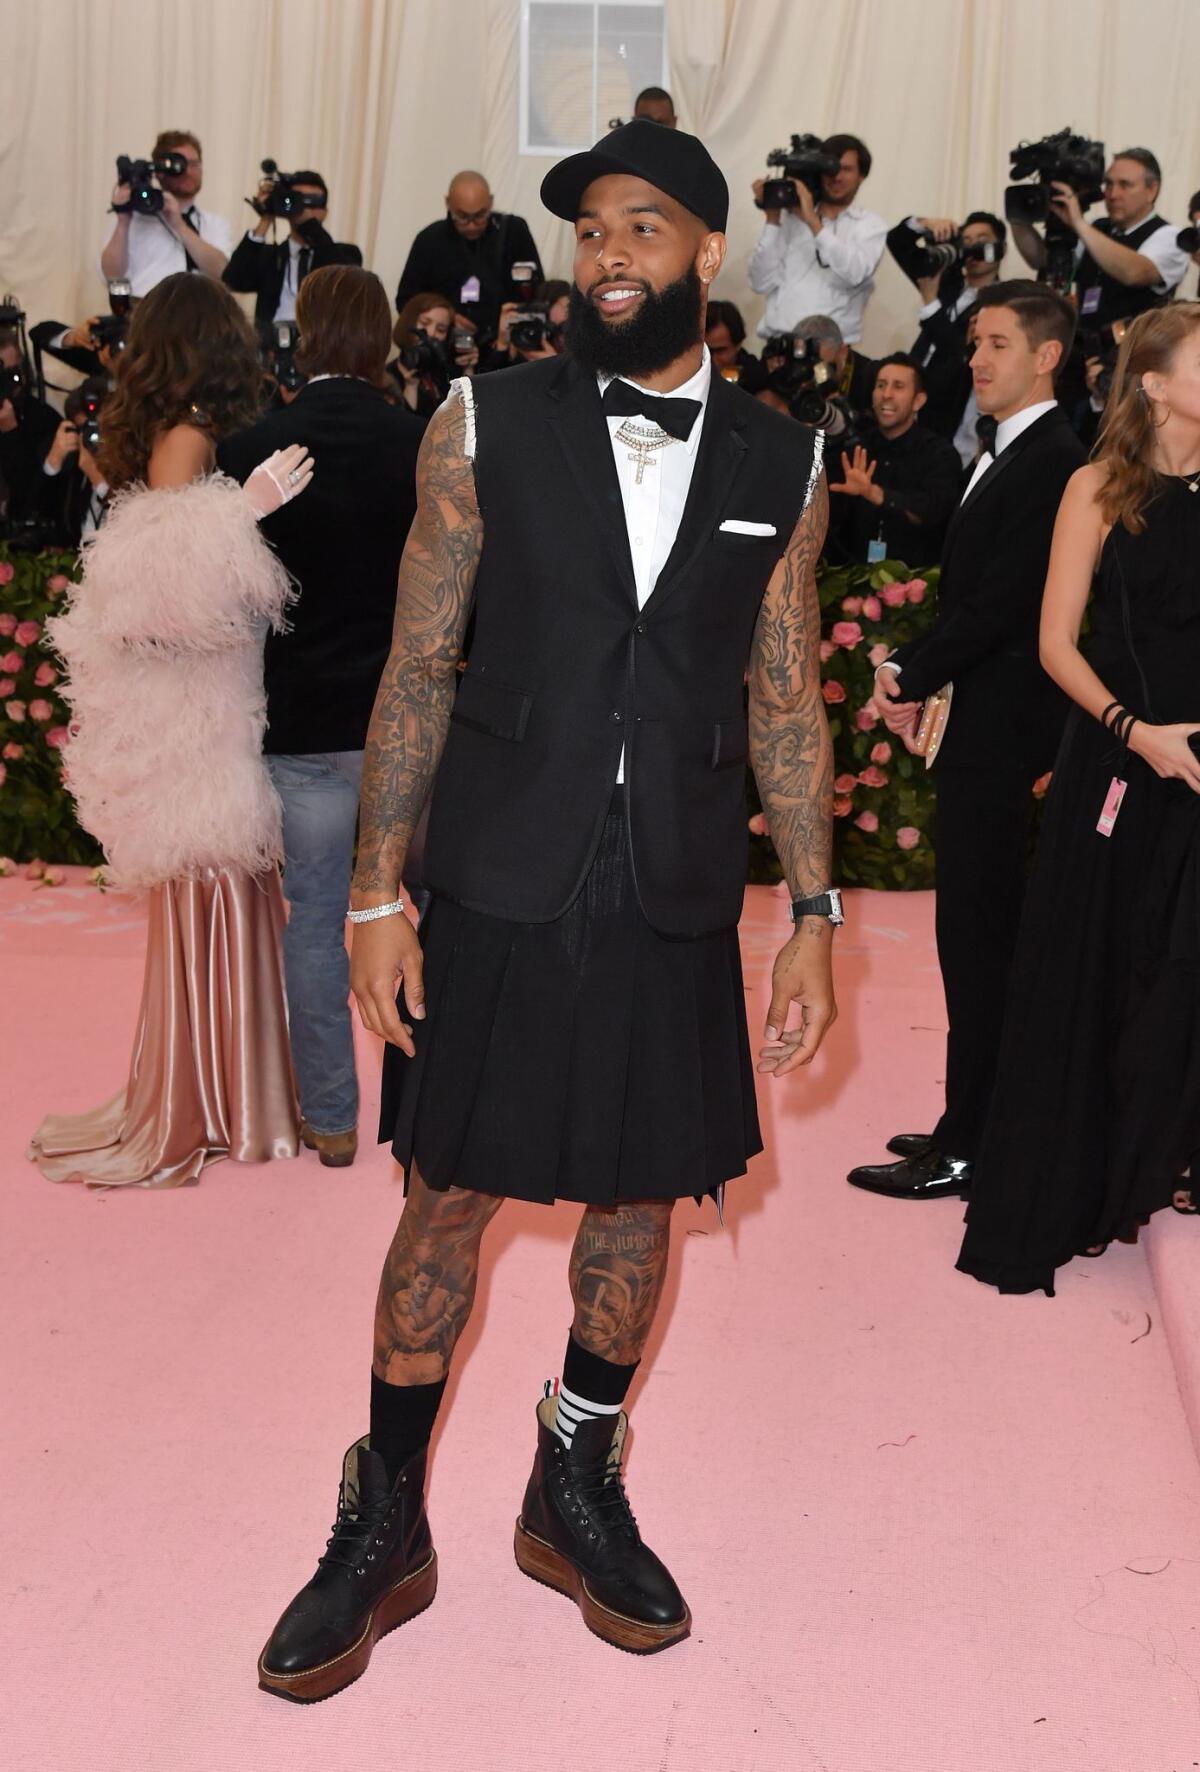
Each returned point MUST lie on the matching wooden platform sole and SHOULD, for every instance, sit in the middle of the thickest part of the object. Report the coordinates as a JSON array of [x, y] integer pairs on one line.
[[394, 1608], [541, 1562]]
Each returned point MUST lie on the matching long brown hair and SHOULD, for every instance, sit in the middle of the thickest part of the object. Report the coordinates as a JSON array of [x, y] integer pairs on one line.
[[1125, 446], [191, 356], [345, 321], [416, 305]]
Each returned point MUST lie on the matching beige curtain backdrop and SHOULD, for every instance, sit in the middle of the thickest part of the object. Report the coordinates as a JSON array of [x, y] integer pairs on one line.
[[389, 97]]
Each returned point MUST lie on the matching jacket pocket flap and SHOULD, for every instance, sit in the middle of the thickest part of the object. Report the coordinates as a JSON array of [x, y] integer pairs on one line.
[[488, 706]]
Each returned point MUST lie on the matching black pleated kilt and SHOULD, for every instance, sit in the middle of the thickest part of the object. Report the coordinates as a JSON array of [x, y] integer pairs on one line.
[[588, 1059]]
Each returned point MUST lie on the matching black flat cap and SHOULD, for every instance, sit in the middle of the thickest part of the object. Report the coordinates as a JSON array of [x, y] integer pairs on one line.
[[669, 159]]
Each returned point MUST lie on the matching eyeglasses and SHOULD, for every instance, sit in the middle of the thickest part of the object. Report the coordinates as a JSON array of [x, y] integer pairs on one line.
[[467, 216]]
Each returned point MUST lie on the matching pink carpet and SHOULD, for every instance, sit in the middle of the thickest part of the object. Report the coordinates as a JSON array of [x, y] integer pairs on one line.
[[922, 1528]]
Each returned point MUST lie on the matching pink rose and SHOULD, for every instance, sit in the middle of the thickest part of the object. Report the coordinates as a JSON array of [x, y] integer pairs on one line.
[[841, 805], [866, 718], [907, 837], [894, 595], [916, 590], [57, 737], [14, 752], [41, 711], [845, 633], [852, 605], [872, 608], [878, 653], [881, 753], [12, 662], [8, 623], [6, 572], [831, 692], [58, 584], [758, 825], [1041, 786], [35, 870], [7, 685], [845, 784], [867, 821], [873, 778], [27, 632], [45, 675], [15, 711], [51, 877], [827, 650]]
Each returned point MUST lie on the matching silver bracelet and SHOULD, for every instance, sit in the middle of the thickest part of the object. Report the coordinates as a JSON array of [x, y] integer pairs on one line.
[[378, 910]]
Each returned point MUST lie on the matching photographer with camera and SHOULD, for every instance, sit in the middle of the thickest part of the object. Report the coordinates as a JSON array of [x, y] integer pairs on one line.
[[480, 257], [75, 489], [819, 249], [949, 264], [433, 349], [1123, 264], [814, 361], [1188, 239], [532, 329], [273, 272], [899, 485], [27, 430], [159, 227]]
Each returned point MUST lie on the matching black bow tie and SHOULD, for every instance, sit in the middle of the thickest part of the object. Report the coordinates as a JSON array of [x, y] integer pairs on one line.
[[676, 417], [985, 430]]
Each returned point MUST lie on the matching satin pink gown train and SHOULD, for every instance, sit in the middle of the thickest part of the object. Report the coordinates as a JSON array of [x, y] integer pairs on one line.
[[211, 1074]]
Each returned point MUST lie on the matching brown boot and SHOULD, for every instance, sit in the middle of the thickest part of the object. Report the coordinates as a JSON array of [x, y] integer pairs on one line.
[[337, 1150]]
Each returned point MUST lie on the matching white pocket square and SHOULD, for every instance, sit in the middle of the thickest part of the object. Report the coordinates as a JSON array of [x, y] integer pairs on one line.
[[735, 526]]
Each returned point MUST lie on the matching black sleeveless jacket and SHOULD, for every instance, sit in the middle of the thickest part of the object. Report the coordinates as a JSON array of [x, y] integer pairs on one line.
[[1117, 301], [564, 668]]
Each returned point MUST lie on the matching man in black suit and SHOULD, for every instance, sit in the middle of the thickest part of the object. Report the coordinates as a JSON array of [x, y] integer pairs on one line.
[[480, 258], [1006, 715], [343, 549], [273, 273]]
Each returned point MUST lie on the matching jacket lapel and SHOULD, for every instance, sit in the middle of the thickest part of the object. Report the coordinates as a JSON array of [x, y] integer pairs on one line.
[[719, 455], [578, 421], [999, 466]]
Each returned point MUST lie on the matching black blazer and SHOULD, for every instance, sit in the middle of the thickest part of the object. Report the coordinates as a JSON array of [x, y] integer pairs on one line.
[[341, 540], [258, 267], [79, 357], [1006, 711]]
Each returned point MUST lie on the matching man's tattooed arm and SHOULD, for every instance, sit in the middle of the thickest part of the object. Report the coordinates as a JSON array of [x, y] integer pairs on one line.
[[790, 748], [416, 692]]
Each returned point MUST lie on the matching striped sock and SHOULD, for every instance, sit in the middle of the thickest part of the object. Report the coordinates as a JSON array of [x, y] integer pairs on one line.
[[571, 1410]]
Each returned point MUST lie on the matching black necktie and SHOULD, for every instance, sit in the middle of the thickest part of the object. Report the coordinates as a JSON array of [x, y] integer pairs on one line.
[[985, 430], [305, 265], [676, 417]]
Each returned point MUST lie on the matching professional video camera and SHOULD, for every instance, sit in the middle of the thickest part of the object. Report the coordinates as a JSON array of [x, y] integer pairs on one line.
[[284, 199], [145, 196], [528, 327], [806, 160], [1064, 159]]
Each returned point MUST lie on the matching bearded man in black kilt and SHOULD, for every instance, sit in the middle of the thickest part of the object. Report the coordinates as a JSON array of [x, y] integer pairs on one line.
[[632, 538]]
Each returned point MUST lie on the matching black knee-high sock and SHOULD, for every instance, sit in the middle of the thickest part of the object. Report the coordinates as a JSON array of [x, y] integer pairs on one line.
[[590, 1386], [402, 1418]]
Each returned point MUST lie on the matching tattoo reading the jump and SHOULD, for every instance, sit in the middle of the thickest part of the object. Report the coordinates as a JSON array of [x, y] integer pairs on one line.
[[790, 748], [416, 692], [618, 1265]]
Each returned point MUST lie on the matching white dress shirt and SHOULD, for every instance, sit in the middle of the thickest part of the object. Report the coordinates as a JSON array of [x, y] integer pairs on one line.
[[653, 510], [155, 252], [1007, 431], [1161, 249], [803, 273]]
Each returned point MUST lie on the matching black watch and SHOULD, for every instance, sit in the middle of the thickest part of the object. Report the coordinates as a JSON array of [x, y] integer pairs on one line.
[[828, 905]]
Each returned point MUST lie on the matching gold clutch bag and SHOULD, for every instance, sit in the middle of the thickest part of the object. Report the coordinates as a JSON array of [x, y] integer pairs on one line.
[[932, 727]]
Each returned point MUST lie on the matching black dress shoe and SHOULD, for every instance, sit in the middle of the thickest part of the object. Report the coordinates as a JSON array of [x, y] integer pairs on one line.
[[576, 1533], [379, 1569], [908, 1144], [933, 1176]]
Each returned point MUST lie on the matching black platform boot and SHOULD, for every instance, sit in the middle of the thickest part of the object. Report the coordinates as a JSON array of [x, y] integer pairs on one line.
[[576, 1533], [379, 1569]]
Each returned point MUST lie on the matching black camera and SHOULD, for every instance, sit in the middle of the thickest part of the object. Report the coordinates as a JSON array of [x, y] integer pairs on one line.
[[1063, 159], [1188, 239], [284, 340], [428, 356], [527, 329], [11, 311], [14, 383], [284, 199], [1105, 343], [145, 195], [806, 160], [91, 398], [111, 331], [934, 257]]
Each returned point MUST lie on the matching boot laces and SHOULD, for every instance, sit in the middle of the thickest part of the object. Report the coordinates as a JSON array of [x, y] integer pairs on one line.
[[601, 1488], [352, 1533]]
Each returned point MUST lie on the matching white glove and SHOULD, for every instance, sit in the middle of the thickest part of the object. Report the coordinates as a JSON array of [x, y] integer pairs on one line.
[[276, 481]]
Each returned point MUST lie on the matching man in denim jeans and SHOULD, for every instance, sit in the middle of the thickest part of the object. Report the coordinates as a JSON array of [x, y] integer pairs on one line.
[[321, 676]]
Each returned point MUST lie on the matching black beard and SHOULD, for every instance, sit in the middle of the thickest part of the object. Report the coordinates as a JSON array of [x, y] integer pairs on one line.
[[663, 329]]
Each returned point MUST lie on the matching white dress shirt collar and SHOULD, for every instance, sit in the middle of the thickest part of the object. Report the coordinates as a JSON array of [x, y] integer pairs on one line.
[[1009, 429], [694, 388]]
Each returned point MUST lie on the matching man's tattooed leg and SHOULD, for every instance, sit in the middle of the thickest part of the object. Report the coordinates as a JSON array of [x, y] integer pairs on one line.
[[618, 1266], [428, 1283]]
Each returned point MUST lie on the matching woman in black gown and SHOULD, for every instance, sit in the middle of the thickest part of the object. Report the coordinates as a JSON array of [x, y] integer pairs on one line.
[[1095, 1119]]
